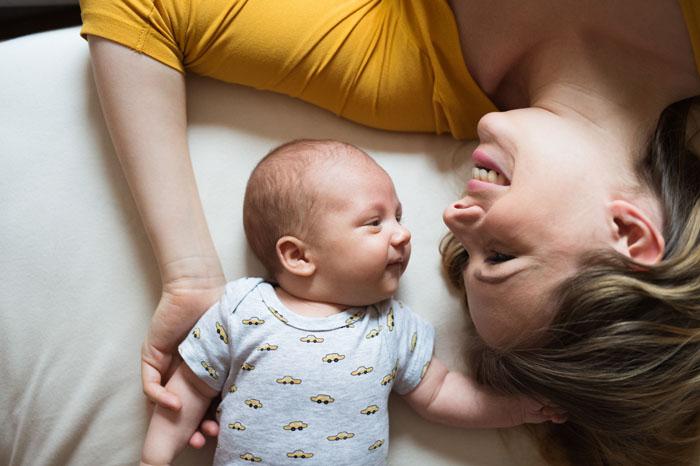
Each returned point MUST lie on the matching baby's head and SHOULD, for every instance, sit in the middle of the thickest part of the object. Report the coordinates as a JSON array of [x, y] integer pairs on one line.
[[323, 218]]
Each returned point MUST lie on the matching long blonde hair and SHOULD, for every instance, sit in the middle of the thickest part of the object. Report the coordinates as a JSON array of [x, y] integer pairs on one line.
[[622, 354]]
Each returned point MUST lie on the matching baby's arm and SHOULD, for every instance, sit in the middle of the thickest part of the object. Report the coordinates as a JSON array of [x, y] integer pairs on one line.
[[452, 398], [170, 431]]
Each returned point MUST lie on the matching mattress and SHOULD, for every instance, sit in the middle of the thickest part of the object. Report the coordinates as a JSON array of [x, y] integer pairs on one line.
[[78, 281]]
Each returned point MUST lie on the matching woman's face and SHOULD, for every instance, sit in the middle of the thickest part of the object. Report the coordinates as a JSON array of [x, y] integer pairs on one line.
[[525, 231]]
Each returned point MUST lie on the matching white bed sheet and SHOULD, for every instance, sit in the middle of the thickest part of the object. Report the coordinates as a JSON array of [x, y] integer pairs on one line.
[[78, 281]]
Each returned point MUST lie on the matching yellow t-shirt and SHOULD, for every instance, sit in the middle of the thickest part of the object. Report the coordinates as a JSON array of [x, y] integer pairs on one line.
[[691, 12], [389, 64]]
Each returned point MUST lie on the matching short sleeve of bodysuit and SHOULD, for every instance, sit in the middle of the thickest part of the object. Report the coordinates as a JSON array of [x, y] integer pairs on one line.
[[412, 338], [208, 347]]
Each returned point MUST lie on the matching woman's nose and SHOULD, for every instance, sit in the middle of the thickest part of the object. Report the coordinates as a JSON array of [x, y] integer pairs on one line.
[[462, 214], [490, 125]]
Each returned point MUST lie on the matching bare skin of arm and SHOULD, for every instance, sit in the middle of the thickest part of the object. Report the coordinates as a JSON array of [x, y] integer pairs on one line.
[[169, 431], [143, 102], [454, 399]]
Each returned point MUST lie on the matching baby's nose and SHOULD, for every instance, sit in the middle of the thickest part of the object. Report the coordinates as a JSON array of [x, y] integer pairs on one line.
[[402, 235]]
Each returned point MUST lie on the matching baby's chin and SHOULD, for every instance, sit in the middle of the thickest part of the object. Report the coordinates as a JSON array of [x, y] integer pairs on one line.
[[376, 296], [391, 284]]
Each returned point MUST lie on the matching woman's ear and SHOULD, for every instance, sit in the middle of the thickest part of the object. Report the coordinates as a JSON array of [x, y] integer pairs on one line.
[[635, 234], [293, 255]]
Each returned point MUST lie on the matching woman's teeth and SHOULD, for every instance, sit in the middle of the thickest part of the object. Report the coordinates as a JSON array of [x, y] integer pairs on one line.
[[489, 176]]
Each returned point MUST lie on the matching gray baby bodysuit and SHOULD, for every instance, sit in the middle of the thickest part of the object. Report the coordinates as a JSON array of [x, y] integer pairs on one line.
[[301, 390]]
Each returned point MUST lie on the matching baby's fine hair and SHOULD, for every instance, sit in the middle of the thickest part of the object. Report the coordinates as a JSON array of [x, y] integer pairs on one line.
[[281, 196]]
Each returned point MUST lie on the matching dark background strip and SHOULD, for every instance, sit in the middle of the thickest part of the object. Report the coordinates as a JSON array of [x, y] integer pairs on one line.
[[18, 21]]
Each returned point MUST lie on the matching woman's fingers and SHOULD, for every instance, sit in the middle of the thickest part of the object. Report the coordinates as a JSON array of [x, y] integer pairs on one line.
[[151, 378], [178, 309]]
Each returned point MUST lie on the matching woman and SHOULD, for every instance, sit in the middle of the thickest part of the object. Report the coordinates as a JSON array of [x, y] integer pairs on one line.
[[610, 333], [580, 87]]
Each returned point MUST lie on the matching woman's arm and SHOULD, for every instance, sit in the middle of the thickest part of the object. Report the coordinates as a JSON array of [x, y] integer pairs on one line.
[[143, 102], [451, 398], [169, 431]]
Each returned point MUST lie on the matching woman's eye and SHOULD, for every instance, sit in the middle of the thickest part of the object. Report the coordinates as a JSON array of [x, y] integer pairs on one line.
[[497, 258]]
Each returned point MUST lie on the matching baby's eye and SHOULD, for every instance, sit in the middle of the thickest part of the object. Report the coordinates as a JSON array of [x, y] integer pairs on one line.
[[497, 257], [374, 223]]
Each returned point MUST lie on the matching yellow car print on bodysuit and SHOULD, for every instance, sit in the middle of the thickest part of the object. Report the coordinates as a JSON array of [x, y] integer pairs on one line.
[[322, 399], [376, 445], [333, 357], [295, 425], [221, 332], [425, 368], [210, 370], [371, 409], [362, 370], [253, 403], [247, 367], [236, 426], [288, 380], [253, 321], [299, 454], [276, 313], [387, 379], [392, 375], [250, 457], [353, 318], [390, 319], [311, 339]]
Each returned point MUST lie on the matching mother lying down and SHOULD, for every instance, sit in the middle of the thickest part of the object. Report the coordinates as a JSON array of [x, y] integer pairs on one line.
[[576, 243]]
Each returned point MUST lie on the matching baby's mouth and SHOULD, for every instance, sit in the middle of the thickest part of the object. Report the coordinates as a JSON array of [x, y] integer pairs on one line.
[[393, 263], [489, 176]]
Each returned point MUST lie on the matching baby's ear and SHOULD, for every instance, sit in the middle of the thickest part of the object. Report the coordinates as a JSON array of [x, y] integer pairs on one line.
[[292, 254], [635, 234]]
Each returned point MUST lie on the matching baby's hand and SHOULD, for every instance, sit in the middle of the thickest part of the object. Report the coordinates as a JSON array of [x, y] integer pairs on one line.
[[530, 411]]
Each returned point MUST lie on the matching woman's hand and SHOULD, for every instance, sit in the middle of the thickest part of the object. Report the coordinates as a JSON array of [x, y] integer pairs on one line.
[[182, 302], [158, 169]]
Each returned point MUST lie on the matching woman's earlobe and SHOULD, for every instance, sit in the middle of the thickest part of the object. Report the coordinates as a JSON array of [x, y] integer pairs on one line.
[[292, 254], [635, 234]]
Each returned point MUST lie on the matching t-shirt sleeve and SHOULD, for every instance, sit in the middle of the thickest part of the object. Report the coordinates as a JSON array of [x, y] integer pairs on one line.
[[414, 338], [207, 348]]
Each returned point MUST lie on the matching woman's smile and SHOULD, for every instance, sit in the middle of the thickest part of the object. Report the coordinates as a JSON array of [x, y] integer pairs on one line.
[[489, 169], [488, 176]]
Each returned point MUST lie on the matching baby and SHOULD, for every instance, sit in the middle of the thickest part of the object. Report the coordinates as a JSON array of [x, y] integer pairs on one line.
[[305, 363]]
